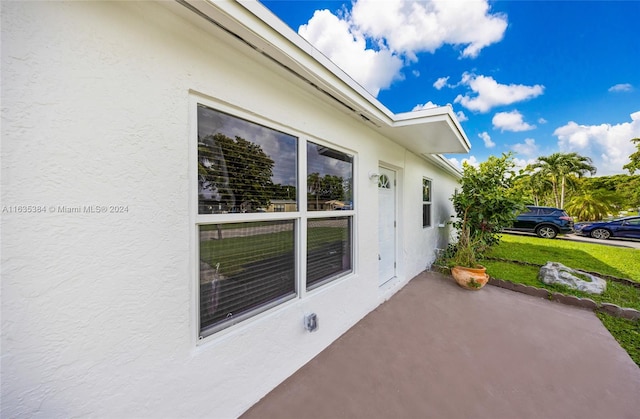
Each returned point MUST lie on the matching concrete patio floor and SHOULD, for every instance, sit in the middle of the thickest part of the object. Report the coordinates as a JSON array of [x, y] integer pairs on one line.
[[435, 350]]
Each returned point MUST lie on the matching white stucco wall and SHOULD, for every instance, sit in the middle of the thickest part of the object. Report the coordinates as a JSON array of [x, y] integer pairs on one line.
[[98, 310]]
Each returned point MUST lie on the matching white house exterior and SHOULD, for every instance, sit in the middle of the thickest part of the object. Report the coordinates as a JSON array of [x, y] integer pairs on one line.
[[109, 298]]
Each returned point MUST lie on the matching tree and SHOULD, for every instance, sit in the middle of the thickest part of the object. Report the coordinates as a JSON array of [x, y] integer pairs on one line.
[[236, 173], [591, 206], [326, 188], [484, 205], [634, 163], [626, 189], [558, 166], [534, 187], [314, 186]]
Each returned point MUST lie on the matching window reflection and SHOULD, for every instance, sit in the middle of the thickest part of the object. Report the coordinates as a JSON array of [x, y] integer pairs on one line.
[[328, 249], [329, 179], [244, 267], [426, 203], [244, 167], [426, 190]]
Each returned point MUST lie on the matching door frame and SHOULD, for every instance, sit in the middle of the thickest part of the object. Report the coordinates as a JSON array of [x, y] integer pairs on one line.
[[394, 250]]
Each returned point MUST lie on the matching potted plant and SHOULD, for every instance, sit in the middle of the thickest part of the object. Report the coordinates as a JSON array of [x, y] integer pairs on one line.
[[464, 267], [484, 205]]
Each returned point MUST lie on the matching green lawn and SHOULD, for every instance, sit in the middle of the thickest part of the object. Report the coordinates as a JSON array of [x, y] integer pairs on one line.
[[235, 253], [626, 332], [616, 293], [621, 262], [609, 260]]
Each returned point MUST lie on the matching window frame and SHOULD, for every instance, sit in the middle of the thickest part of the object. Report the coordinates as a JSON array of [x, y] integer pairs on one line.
[[427, 204], [300, 217]]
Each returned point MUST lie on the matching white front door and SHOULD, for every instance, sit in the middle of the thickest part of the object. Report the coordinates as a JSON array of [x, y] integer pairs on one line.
[[386, 225]]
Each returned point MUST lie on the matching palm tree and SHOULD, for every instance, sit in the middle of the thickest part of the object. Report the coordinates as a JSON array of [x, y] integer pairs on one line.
[[314, 186], [560, 165], [533, 186], [591, 206], [540, 186]]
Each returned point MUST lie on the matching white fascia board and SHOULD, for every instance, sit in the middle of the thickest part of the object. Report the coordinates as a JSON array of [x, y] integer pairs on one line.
[[435, 130], [320, 66], [440, 113], [442, 162]]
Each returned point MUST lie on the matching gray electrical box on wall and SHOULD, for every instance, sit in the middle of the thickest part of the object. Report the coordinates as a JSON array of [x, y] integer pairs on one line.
[[311, 322]]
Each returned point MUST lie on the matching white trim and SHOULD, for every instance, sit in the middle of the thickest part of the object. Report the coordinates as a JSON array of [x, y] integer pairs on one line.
[[429, 202], [194, 258], [397, 220], [444, 163]]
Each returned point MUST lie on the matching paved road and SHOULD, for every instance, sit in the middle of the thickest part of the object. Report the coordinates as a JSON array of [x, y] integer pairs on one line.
[[632, 243]]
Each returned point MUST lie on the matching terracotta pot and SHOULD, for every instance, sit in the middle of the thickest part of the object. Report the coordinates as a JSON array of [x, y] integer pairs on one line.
[[470, 278]]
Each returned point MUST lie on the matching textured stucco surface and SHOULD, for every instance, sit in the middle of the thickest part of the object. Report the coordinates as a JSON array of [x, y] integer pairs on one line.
[[99, 310]]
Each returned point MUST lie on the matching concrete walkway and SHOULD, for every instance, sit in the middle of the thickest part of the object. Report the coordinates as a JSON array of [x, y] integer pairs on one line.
[[435, 350]]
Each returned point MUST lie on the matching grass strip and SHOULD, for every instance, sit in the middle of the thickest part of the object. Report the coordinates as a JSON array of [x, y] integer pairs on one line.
[[621, 262], [608, 260], [626, 332], [616, 293]]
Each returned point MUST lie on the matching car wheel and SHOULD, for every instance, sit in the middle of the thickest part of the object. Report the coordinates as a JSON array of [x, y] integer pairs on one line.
[[600, 233], [546, 232]]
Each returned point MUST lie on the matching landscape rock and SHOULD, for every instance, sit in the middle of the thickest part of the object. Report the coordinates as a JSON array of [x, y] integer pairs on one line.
[[557, 273]]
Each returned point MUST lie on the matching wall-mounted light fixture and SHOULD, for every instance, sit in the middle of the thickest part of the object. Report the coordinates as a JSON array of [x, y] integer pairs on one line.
[[373, 175]]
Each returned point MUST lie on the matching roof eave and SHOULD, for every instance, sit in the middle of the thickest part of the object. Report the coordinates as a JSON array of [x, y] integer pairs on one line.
[[445, 164], [428, 131]]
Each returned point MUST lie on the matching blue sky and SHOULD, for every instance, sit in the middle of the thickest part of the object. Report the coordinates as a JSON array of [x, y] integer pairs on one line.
[[533, 77]]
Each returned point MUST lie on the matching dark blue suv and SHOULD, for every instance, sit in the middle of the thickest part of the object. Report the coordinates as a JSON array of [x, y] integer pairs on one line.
[[546, 222]]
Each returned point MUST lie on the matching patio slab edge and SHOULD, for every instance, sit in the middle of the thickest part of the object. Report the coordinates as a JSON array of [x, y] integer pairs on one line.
[[587, 303], [608, 308]]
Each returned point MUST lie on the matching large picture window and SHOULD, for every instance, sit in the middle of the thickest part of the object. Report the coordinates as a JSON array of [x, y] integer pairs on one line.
[[242, 166], [249, 218], [244, 266]]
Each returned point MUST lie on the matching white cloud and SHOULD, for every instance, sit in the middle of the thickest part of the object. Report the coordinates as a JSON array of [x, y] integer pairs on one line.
[[510, 121], [489, 93], [542, 121], [460, 115], [424, 26], [427, 105], [528, 149], [398, 30], [609, 146], [373, 69], [487, 140], [470, 160], [441, 82], [521, 164], [624, 87]]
